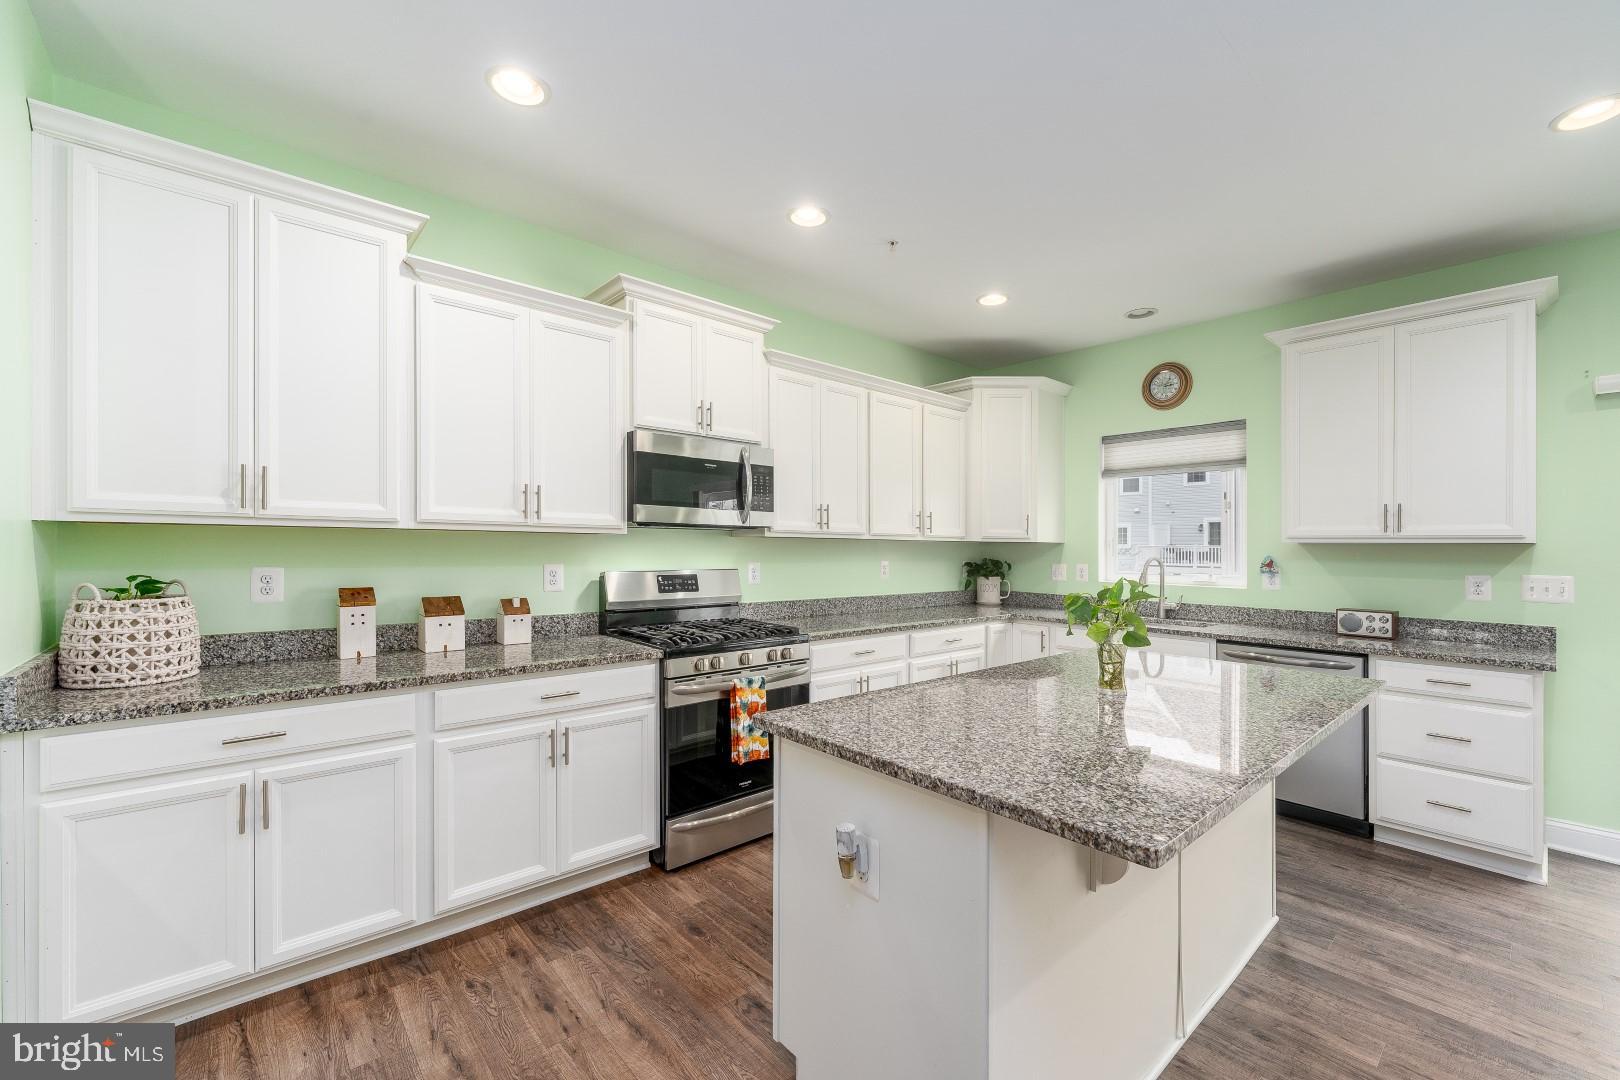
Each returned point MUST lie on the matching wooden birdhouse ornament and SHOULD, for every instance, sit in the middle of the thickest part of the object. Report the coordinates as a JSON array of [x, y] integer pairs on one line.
[[443, 625], [516, 624], [357, 622]]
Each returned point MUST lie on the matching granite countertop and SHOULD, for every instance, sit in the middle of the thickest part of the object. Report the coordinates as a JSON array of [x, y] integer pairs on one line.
[[1140, 777], [231, 686], [1523, 655]]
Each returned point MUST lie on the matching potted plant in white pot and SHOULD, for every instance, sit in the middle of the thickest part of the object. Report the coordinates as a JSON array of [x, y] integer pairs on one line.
[[1111, 620], [988, 577]]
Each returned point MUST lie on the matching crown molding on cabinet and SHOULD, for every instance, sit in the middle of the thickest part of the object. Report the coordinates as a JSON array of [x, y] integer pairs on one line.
[[821, 368], [991, 382], [624, 286], [1544, 291], [81, 130], [434, 272]]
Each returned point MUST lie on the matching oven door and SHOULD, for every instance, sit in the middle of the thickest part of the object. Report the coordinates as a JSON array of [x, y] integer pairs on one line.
[[688, 480], [698, 770]]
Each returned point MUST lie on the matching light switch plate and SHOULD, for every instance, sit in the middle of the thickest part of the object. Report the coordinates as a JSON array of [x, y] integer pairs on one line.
[[753, 573], [1082, 571], [1060, 571], [1547, 589], [1477, 587], [554, 577], [267, 584], [883, 568]]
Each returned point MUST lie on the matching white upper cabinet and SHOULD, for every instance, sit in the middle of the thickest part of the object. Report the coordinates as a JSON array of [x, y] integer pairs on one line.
[[1415, 424], [1015, 457], [219, 341], [818, 441], [896, 464], [697, 366], [944, 472], [793, 451], [520, 404]]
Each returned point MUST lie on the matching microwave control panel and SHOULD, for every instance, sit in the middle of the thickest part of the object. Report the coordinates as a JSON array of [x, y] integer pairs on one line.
[[764, 497]]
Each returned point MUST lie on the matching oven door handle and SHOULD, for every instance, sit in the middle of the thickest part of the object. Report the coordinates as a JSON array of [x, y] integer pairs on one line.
[[747, 486], [719, 819], [777, 679]]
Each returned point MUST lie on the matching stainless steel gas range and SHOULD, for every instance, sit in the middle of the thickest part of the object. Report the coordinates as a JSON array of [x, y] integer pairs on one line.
[[692, 617]]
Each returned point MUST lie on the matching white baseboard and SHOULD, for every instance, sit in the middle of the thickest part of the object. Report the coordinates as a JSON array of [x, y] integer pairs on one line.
[[1534, 872], [1587, 841]]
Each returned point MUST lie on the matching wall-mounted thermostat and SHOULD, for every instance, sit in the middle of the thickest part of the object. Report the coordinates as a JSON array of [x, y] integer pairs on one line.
[[1373, 624]]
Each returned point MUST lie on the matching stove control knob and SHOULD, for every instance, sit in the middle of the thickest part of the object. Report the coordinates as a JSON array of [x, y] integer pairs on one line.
[[787, 653], [744, 659], [716, 663], [699, 665], [772, 656]]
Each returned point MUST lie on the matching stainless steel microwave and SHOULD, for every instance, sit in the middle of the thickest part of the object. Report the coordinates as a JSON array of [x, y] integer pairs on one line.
[[693, 481]]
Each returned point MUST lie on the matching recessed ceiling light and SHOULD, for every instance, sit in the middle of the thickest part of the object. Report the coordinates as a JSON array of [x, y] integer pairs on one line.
[[1588, 113], [1141, 313], [992, 299], [808, 217], [517, 86]]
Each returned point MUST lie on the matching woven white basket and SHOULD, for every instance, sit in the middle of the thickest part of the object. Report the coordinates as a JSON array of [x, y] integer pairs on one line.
[[127, 642]]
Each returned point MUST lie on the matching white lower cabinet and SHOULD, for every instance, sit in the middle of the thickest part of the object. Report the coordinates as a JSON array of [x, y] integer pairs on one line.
[[145, 895], [939, 667], [336, 852], [607, 786], [846, 682]]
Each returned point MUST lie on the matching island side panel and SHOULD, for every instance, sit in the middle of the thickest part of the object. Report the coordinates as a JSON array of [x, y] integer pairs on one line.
[[889, 987], [1229, 901], [1082, 983]]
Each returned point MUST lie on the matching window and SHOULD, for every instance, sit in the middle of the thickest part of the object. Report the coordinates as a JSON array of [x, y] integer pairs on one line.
[[1176, 495]]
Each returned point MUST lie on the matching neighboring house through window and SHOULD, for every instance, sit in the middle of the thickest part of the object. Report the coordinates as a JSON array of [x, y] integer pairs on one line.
[[1130, 485], [1197, 478]]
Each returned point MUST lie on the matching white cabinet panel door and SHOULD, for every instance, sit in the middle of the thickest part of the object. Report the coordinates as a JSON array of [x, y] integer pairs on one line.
[[667, 371], [145, 895], [1338, 411], [944, 473], [895, 467], [841, 457], [1465, 422], [494, 812], [473, 409], [161, 340], [1030, 642], [969, 661], [335, 852], [578, 432], [793, 448], [885, 676], [935, 667], [607, 787], [330, 365], [1002, 483], [734, 382], [835, 684]]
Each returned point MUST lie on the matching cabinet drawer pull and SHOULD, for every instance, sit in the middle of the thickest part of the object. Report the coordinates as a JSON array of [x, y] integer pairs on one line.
[[553, 761], [241, 494], [566, 743], [264, 804], [708, 422], [700, 416], [1448, 806], [1449, 738], [1386, 517], [252, 738], [264, 487], [241, 809], [1448, 682], [525, 502], [559, 694], [863, 652], [930, 521]]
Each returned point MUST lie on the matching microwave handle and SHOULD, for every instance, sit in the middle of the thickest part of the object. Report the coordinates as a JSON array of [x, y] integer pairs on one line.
[[747, 485]]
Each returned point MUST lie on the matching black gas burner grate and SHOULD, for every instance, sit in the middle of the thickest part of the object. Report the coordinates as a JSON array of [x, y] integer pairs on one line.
[[705, 633]]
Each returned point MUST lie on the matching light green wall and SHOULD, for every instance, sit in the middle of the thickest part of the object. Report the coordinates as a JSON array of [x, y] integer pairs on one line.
[[24, 555], [1236, 374], [215, 560]]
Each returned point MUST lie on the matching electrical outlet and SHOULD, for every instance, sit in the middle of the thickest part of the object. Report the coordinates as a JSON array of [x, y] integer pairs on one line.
[[553, 577], [1082, 571], [1547, 589], [883, 568], [1060, 571], [267, 584], [1477, 587], [753, 573]]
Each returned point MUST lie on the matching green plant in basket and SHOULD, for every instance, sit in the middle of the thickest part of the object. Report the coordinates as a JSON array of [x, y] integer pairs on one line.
[[1111, 621], [138, 587]]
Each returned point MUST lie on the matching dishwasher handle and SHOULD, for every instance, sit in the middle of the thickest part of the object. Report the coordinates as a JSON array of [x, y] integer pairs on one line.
[[1247, 656]]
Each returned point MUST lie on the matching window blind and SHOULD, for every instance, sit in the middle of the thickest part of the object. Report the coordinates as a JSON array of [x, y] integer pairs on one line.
[[1171, 450]]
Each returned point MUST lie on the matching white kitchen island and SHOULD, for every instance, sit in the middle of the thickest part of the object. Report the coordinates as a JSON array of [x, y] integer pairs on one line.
[[1059, 884]]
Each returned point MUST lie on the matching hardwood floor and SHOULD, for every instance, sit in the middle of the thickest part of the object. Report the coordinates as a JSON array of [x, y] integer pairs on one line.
[[1386, 964]]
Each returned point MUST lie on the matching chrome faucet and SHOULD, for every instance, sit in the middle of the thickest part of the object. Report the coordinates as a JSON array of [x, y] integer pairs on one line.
[[1142, 579]]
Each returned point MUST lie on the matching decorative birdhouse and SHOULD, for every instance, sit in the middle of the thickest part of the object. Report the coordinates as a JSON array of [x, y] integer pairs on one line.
[[443, 625], [516, 624], [357, 623]]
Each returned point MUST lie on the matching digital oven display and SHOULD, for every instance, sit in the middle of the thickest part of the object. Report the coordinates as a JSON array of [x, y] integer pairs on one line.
[[677, 583]]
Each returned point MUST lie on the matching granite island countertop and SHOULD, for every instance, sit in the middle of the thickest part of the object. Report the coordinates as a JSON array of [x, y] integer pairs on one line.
[[233, 686], [1139, 777], [1491, 647]]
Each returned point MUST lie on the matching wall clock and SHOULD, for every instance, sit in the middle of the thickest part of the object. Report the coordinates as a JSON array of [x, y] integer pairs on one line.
[[1167, 386]]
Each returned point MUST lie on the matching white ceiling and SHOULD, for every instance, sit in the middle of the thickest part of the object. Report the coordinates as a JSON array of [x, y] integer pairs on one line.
[[1083, 157]]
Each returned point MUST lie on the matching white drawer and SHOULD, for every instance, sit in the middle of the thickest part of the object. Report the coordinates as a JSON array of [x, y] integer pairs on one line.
[[1474, 684], [466, 705], [1458, 734], [947, 639], [849, 652], [1474, 809], [72, 759]]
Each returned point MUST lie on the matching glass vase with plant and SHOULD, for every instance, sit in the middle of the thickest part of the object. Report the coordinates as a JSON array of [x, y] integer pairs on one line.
[[1111, 620], [988, 576]]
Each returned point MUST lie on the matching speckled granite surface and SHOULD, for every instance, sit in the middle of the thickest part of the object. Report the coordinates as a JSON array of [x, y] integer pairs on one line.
[[1039, 744], [1501, 645], [233, 686], [799, 610], [322, 644]]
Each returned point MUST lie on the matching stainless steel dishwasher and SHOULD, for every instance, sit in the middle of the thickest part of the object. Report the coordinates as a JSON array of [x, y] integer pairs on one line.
[[1328, 786]]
